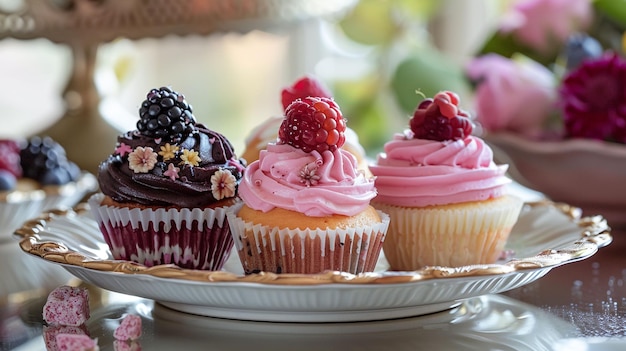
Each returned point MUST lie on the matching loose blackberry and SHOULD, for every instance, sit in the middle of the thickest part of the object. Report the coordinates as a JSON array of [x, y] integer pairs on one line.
[[165, 114], [45, 161]]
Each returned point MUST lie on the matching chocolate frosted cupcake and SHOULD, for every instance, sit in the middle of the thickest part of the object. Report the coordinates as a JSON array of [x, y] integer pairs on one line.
[[166, 188]]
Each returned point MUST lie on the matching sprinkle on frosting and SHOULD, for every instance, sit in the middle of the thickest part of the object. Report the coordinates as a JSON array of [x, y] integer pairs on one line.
[[142, 160], [172, 172], [223, 184], [123, 149]]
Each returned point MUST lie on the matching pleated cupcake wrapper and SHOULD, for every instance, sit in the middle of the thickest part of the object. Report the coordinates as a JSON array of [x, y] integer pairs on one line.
[[447, 237], [190, 238], [270, 249], [14, 211]]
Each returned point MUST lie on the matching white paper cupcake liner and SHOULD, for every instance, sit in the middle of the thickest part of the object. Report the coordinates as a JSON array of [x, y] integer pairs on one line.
[[190, 238], [270, 249], [17, 207], [448, 236]]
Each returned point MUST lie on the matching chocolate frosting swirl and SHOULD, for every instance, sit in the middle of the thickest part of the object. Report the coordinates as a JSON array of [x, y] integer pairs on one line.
[[193, 185]]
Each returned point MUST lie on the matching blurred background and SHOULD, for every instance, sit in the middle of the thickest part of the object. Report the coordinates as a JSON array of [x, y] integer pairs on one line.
[[364, 51], [79, 69]]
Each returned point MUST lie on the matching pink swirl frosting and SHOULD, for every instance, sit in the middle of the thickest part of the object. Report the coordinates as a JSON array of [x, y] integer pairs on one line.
[[311, 183], [417, 172]]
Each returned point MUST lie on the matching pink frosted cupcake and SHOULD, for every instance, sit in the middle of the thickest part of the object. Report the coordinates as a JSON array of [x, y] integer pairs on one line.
[[167, 187], [446, 197], [305, 205]]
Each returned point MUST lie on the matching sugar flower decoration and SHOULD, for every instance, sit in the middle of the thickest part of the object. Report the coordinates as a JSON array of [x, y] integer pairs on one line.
[[172, 171], [223, 184], [168, 151], [122, 149], [142, 160], [190, 157], [309, 176]]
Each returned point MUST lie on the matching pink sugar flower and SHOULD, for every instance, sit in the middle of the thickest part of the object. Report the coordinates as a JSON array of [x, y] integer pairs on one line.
[[593, 99], [142, 160], [123, 149], [223, 184], [516, 95], [541, 24]]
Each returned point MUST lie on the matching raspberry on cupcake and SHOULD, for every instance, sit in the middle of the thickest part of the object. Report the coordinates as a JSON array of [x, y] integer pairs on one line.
[[266, 132], [166, 188], [446, 197], [305, 205]]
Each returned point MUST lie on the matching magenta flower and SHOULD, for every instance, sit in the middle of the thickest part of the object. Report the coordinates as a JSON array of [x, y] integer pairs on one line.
[[512, 95], [593, 99], [542, 24]]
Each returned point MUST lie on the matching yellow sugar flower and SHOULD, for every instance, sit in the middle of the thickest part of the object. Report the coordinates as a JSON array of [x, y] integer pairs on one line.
[[168, 151], [190, 157]]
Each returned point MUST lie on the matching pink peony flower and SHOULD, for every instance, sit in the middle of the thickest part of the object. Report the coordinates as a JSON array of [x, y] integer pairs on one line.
[[593, 99], [513, 95], [541, 24]]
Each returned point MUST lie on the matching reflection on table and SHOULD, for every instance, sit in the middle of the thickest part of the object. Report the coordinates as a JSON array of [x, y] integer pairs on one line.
[[482, 323], [590, 294]]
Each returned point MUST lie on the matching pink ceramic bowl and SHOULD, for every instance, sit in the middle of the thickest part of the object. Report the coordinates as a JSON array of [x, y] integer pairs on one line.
[[589, 174]]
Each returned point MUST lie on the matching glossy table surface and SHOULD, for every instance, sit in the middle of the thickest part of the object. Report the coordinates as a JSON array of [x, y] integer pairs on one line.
[[585, 299]]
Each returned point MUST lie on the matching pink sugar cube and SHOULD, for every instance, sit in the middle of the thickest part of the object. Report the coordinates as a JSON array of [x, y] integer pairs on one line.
[[129, 329], [76, 342], [67, 305], [50, 333], [119, 345]]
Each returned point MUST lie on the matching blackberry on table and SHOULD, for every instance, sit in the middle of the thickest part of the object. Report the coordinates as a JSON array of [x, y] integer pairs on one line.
[[44, 160], [165, 114]]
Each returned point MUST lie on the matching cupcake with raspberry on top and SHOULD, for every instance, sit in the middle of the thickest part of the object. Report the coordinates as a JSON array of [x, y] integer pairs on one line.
[[305, 204], [446, 197], [166, 188]]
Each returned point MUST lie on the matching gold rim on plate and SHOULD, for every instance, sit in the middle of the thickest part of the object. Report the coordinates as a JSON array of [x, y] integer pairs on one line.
[[594, 234]]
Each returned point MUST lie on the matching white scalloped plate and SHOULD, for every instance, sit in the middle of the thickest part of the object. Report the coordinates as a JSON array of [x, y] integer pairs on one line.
[[546, 236]]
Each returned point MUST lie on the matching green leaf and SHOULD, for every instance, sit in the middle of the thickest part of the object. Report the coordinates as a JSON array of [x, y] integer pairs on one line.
[[507, 46], [613, 9], [427, 71], [370, 22], [417, 9], [362, 107]]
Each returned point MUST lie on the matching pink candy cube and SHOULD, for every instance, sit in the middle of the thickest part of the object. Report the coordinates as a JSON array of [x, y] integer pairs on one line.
[[67, 305], [76, 342], [129, 329], [50, 333], [119, 345]]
